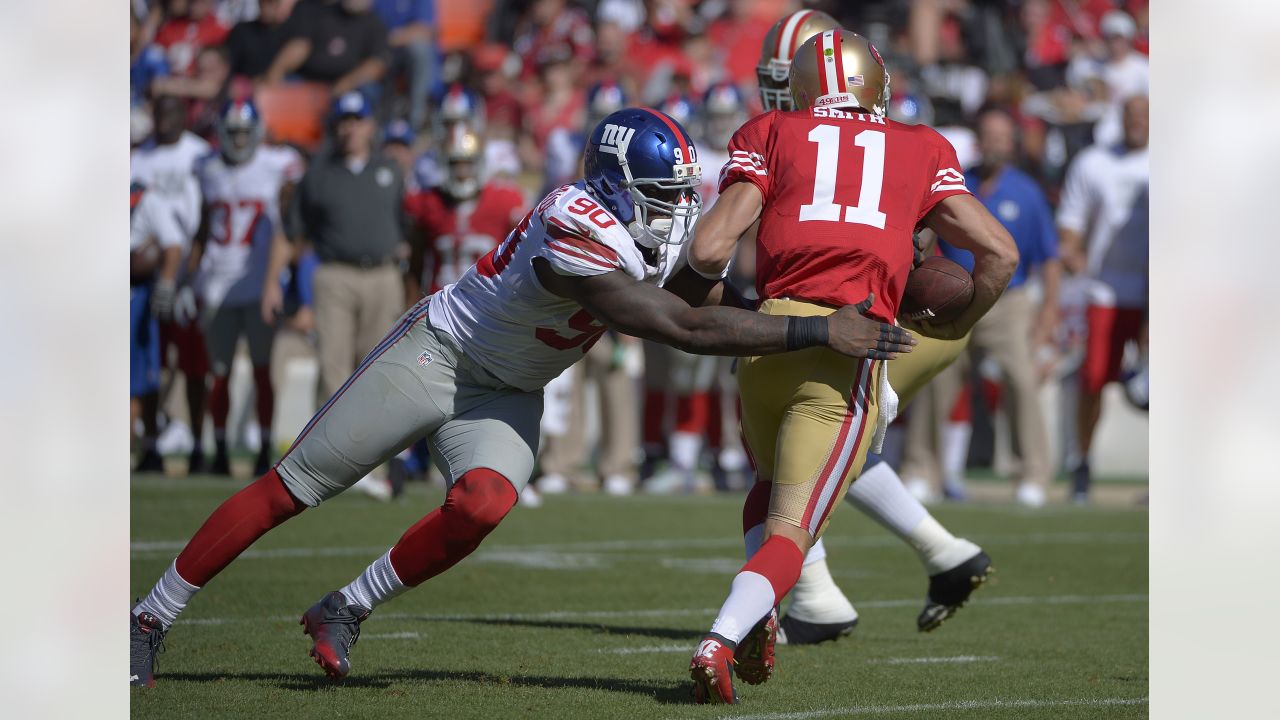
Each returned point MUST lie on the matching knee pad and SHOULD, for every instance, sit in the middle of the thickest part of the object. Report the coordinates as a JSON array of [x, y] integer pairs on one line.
[[480, 499]]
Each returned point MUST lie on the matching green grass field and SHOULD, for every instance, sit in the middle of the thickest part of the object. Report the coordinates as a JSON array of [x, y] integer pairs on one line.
[[590, 607]]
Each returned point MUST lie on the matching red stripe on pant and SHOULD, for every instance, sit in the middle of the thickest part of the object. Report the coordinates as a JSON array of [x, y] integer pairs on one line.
[[833, 458]]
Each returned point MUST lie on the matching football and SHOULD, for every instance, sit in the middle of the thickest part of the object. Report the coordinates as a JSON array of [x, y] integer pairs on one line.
[[938, 290]]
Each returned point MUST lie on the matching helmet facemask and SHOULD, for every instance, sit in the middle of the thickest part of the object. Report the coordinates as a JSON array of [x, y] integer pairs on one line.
[[239, 139], [665, 208], [772, 79]]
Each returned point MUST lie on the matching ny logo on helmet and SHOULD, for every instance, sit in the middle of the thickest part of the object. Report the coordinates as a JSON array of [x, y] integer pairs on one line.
[[616, 139]]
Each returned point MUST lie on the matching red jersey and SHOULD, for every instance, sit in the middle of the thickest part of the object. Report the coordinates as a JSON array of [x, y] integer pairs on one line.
[[458, 234], [843, 194]]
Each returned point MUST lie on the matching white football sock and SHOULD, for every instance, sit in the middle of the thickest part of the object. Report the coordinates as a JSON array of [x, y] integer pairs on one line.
[[377, 584], [955, 450], [753, 539], [685, 449], [938, 549], [750, 597], [817, 553], [880, 494], [816, 598], [168, 598]]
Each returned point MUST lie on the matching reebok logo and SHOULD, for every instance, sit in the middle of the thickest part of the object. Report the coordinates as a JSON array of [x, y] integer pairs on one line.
[[616, 139]]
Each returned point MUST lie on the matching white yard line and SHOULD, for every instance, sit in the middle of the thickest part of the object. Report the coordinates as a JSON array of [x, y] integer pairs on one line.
[[391, 636], [680, 648], [934, 660], [940, 707], [669, 612]]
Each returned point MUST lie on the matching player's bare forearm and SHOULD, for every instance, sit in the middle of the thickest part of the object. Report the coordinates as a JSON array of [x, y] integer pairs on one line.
[[964, 223], [170, 262], [715, 237], [290, 58], [1071, 250], [370, 70], [646, 311]]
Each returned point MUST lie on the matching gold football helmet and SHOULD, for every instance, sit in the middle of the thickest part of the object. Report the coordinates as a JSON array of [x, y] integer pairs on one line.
[[463, 154], [839, 68], [779, 47]]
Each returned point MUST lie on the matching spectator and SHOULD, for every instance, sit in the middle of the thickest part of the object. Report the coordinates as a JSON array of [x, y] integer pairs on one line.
[[554, 23], [397, 145], [147, 62], [1105, 196], [253, 44], [1124, 73], [167, 168], [1014, 330], [191, 27], [202, 92], [350, 204], [336, 42], [411, 32], [559, 107], [738, 37]]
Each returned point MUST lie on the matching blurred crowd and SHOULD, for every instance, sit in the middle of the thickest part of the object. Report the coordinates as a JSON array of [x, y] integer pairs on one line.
[[305, 169]]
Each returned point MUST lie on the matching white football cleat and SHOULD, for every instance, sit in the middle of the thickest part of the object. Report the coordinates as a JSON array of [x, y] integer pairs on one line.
[[552, 484], [530, 497], [618, 486], [1030, 495], [377, 488]]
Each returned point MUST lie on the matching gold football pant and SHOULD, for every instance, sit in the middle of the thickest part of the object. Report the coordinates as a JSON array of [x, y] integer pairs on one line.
[[909, 373], [808, 418]]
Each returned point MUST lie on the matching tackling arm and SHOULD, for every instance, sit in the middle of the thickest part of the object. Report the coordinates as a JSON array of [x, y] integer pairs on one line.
[[648, 312], [964, 223]]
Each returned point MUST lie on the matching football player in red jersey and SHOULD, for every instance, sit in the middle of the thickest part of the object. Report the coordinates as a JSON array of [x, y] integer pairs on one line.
[[838, 191], [460, 220]]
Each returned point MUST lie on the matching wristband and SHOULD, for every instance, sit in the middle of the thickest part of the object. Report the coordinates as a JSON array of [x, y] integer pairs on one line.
[[803, 332]]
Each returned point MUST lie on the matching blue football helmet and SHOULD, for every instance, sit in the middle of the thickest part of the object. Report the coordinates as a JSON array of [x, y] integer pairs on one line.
[[240, 130], [604, 98], [642, 165], [679, 108], [724, 110]]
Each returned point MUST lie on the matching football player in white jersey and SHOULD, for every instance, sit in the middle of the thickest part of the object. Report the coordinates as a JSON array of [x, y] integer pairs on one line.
[[465, 368], [244, 186], [166, 166]]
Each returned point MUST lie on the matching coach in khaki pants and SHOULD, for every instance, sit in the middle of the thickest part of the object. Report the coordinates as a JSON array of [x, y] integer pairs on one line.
[[1015, 327], [350, 201]]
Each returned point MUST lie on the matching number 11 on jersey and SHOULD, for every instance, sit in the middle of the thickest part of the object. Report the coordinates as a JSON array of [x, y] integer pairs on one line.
[[824, 207]]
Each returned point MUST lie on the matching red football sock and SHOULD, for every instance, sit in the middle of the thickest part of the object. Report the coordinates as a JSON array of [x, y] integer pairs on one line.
[[756, 507], [473, 507], [692, 411], [219, 402], [655, 411], [266, 398], [779, 561], [234, 526]]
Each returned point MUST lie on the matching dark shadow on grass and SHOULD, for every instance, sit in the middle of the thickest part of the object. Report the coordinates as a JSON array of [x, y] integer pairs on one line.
[[674, 692], [657, 632]]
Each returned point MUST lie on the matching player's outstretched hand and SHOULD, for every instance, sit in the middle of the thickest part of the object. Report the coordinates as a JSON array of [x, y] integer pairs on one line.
[[852, 333]]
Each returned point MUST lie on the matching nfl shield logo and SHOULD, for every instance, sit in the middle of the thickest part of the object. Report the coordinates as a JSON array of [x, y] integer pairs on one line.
[[425, 359]]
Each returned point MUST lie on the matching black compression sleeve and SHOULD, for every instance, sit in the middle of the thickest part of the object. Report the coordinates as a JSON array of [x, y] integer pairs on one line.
[[803, 332]]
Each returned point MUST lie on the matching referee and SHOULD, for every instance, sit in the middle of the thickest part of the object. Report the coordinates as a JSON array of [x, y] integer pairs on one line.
[[350, 202]]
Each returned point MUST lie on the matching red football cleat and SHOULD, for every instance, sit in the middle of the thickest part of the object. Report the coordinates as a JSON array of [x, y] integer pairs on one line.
[[712, 673], [753, 659]]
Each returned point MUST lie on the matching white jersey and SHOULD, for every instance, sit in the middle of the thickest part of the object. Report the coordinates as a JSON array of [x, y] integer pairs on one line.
[[1104, 187], [155, 217], [243, 202], [503, 319], [170, 170]]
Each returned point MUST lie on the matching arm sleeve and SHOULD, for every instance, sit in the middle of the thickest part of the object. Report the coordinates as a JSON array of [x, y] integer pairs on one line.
[[1073, 206], [945, 178], [749, 155], [573, 250]]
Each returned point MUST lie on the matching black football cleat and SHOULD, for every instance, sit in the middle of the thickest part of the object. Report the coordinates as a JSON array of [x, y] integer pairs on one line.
[[263, 462], [334, 625], [146, 640], [794, 631], [950, 590], [150, 462]]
